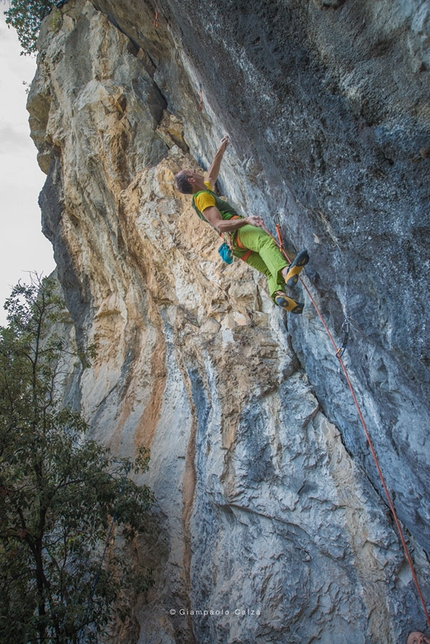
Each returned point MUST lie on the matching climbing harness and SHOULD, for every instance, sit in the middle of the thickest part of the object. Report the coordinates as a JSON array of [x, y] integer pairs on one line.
[[245, 256], [339, 352], [226, 249]]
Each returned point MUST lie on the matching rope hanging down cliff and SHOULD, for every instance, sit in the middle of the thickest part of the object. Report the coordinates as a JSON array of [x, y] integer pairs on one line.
[[270, 258], [339, 353]]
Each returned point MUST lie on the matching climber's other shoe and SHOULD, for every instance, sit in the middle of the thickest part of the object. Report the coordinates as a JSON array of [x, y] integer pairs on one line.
[[294, 270], [287, 303]]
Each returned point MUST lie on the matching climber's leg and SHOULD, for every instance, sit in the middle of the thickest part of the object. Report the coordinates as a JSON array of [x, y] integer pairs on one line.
[[261, 243], [276, 293], [257, 262]]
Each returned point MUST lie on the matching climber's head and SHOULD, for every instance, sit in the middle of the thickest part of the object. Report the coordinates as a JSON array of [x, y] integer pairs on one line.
[[417, 638], [189, 181]]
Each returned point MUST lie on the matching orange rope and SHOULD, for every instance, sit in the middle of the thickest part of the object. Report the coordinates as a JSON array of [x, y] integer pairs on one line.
[[366, 431], [281, 244]]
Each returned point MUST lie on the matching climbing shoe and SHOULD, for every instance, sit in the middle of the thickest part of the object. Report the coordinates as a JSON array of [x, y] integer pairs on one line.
[[288, 303], [296, 267]]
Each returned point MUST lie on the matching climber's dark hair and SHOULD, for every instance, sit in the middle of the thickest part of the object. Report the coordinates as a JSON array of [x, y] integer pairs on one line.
[[182, 184]]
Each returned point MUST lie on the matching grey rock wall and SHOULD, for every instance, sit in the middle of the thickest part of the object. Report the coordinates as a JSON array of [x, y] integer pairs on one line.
[[327, 104], [268, 502]]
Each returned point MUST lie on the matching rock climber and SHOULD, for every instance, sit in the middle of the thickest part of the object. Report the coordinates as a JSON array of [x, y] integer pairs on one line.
[[417, 638], [244, 235]]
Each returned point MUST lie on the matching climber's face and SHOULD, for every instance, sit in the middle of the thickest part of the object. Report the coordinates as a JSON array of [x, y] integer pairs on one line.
[[418, 638], [196, 179], [189, 181]]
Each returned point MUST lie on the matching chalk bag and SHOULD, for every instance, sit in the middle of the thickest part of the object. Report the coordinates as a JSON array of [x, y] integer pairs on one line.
[[226, 254]]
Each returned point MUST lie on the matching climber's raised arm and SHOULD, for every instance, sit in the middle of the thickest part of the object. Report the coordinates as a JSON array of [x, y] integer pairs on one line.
[[213, 171]]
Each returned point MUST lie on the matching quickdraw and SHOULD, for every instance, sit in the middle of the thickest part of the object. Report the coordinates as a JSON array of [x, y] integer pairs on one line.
[[156, 20], [201, 97], [345, 330]]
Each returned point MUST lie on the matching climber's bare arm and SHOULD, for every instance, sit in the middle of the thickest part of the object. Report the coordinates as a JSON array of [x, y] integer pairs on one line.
[[213, 172], [213, 215]]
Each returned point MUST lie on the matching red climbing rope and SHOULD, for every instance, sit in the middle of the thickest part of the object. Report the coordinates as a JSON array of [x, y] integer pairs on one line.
[[363, 422], [281, 243]]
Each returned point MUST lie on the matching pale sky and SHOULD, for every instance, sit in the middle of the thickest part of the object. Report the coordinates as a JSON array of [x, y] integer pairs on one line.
[[23, 248]]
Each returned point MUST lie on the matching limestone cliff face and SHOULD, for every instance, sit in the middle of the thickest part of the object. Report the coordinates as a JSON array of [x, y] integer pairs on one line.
[[267, 499]]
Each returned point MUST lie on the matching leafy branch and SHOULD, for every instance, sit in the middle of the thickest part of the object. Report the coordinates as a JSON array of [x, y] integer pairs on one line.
[[26, 17], [59, 490]]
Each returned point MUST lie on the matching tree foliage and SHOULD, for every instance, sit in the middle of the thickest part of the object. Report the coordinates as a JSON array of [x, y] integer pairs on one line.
[[26, 17], [59, 491]]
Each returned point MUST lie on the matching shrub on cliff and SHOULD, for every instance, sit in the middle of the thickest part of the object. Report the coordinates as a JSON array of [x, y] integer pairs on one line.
[[26, 16], [60, 493]]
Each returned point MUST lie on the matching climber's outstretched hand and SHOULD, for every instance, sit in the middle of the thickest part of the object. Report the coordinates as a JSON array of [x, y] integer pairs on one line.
[[254, 220], [225, 141], [212, 175]]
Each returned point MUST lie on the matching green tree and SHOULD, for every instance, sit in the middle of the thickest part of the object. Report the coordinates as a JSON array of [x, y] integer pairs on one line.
[[26, 16], [60, 493]]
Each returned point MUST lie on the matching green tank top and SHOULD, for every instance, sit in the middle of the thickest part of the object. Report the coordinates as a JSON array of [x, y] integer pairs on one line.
[[227, 211]]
